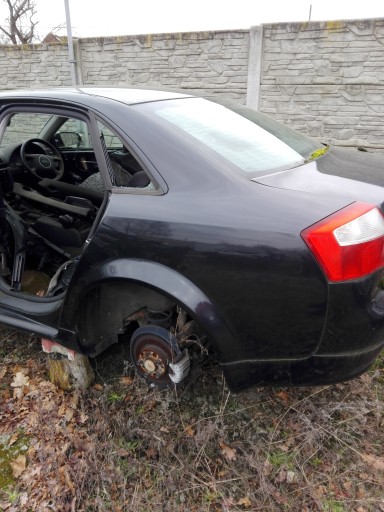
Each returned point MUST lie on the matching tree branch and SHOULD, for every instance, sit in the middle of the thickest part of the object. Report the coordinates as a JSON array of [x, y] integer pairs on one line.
[[20, 27]]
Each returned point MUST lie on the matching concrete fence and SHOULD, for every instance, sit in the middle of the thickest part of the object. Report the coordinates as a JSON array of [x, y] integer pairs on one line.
[[323, 78]]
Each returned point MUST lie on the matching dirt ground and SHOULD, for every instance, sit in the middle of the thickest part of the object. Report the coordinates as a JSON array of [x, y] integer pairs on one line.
[[123, 446]]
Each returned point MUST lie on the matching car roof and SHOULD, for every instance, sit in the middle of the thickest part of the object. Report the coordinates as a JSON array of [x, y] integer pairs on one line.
[[127, 95]]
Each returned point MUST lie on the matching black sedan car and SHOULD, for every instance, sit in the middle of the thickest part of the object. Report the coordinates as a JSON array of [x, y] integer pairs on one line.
[[183, 226]]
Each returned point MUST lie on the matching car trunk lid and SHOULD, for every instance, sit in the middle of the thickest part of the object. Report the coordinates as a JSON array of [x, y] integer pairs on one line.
[[335, 174]]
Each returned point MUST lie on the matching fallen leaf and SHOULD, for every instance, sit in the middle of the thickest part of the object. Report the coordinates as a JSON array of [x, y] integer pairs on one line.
[[20, 380], [31, 452], [33, 419], [82, 418], [18, 465], [82, 445], [17, 368], [66, 478], [3, 371], [295, 426], [283, 395], [286, 447], [348, 486], [164, 429], [62, 410], [13, 439], [151, 453], [148, 406], [126, 381], [375, 462], [291, 477], [5, 395], [228, 452], [189, 431], [23, 499], [33, 384], [244, 502], [279, 498], [267, 467], [122, 453], [320, 491], [74, 400], [18, 393], [69, 414], [98, 387]]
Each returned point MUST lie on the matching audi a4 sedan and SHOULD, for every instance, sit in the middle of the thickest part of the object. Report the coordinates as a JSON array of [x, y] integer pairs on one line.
[[184, 227]]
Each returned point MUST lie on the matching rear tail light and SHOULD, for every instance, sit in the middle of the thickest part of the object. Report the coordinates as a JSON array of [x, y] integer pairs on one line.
[[350, 243]]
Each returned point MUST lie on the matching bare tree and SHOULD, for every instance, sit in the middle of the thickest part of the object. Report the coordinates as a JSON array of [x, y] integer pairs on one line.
[[19, 27]]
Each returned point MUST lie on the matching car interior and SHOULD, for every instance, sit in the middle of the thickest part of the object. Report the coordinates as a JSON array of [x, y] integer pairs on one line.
[[52, 190]]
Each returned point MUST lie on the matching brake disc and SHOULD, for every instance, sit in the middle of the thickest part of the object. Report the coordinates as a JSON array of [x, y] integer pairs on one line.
[[157, 356]]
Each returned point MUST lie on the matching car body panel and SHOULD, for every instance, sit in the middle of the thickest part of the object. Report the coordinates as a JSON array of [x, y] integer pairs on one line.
[[311, 179], [226, 248], [152, 275], [312, 371]]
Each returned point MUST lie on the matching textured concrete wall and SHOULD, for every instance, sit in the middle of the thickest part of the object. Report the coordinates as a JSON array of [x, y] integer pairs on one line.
[[205, 62], [326, 79], [34, 66]]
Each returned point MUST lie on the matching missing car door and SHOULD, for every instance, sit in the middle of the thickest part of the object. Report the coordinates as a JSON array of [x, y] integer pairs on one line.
[[48, 213]]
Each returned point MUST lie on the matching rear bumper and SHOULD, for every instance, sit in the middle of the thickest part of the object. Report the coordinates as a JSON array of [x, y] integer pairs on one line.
[[352, 338], [355, 317], [312, 371]]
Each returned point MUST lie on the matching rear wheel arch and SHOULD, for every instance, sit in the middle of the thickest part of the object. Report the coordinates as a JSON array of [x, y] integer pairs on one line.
[[123, 279]]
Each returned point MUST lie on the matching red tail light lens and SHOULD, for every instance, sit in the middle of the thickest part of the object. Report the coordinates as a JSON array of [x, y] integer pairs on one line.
[[350, 243]]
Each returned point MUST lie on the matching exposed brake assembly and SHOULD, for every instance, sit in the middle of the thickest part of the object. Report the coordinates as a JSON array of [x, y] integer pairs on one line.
[[157, 356]]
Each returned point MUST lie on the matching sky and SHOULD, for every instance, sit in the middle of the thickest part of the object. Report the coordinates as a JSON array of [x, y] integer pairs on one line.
[[92, 18]]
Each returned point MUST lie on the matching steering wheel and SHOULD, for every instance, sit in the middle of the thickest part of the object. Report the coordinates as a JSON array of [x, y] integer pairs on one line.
[[47, 165]]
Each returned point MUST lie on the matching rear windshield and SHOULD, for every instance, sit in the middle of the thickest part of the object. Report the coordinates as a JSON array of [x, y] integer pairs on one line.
[[249, 141]]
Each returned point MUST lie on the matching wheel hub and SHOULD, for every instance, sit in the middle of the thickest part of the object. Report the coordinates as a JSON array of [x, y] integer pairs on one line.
[[151, 363], [151, 356], [155, 354]]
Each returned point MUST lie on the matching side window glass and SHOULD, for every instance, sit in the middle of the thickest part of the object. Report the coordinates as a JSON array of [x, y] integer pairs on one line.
[[73, 134], [22, 127], [111, 140], [126, 170]]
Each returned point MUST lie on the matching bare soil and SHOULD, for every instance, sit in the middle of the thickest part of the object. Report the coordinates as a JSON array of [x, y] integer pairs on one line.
[[124, 446]]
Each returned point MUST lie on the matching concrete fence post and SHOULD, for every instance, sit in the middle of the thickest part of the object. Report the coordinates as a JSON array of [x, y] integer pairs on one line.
[[255, 66], [78, 62]]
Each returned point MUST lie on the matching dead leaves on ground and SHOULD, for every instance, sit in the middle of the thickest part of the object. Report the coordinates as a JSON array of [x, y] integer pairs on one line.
[[53, 425], [18, 465], [286, 450], [374, 461]]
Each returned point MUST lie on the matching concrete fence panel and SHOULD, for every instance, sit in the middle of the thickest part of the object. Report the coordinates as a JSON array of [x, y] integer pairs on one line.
[[325, 79]]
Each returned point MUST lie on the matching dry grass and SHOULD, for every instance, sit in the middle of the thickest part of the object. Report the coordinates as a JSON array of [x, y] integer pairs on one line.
[[122, 446]]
